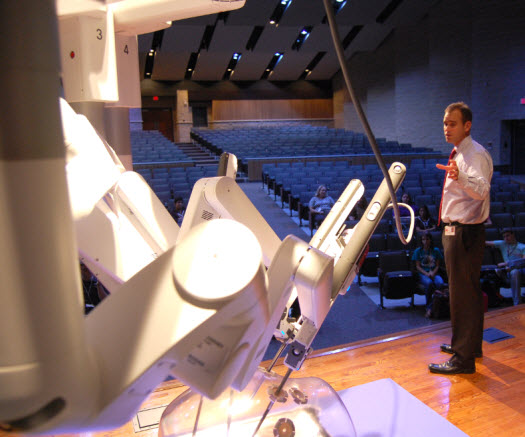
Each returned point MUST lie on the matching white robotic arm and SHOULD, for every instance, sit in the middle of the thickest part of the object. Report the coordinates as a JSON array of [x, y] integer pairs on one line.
[[121, 225], [196, 303]]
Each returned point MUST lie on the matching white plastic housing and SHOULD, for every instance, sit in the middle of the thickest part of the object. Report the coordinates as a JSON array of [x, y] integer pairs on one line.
[[87, 52], [135, 17], [126, 50], [221, 197]]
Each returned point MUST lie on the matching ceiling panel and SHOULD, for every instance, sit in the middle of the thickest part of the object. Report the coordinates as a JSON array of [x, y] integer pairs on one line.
[[210, 66], [251, 66], [230, 39], [326, 68], [301, 13], [145, 42], [182, 38], [369, 38], [170, 65], [361, 11], [232, 34], [277, 39], [254, 12], [291, 66], [320, 40]]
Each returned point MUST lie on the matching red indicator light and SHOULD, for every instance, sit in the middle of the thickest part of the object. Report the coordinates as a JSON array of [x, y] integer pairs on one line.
[[155, 98]]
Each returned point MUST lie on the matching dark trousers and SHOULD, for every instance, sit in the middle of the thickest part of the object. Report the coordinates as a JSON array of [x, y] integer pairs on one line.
[[463, 258]]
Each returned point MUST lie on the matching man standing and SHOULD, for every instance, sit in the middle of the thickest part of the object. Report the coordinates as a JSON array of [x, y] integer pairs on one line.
[[464, 207], [512, 252]]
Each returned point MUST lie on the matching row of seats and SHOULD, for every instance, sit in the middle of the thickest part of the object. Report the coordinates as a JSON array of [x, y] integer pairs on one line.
[[295, 184], [387, 253], [173, 182], [304, 140], [398, 277], [152, 146], [386, 238]]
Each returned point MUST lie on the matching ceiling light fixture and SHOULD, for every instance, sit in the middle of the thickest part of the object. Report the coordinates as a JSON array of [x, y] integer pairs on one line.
[[276, 58], [279, 11], [313, 63], [302, 37], [192, 63], [230, 69]]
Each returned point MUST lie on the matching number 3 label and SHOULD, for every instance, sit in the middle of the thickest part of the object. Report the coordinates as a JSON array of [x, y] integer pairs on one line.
[[99, 34]]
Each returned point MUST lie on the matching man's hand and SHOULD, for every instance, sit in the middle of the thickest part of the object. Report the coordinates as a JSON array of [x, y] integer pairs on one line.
[[451, 169]]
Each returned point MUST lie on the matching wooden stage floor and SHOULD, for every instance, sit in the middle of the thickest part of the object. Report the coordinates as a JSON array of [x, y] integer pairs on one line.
[[490, 402]]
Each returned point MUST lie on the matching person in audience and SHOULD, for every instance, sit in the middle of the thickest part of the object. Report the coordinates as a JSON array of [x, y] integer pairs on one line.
[[359, 209], [513, 254], [320, 205], [179, 210], [424, 222], [403, 211], [428, 260], [92, 289]]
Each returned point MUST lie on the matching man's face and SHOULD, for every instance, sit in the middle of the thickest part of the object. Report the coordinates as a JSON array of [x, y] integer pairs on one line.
[[509, 238], [179, 204], [454, 128]]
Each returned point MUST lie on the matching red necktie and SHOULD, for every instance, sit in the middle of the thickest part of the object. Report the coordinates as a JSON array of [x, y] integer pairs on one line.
[[452, 154]]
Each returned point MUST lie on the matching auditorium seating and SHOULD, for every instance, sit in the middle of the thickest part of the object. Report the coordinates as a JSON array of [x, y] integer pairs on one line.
[[292, 184], [290, 141], [152, 146], [171, 182]]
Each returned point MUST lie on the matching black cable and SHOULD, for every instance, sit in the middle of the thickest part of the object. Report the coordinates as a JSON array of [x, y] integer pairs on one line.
[[362, 117]]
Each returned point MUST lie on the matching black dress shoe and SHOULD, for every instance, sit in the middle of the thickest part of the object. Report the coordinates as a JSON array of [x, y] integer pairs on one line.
[[451, 368], [448, 349]]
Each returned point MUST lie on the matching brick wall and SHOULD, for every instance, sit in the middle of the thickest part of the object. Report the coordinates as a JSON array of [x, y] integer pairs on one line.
[[471, 51]]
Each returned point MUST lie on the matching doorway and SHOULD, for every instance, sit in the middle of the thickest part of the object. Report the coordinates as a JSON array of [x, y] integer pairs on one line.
[[158, 119], [200, 116], [513, 144]]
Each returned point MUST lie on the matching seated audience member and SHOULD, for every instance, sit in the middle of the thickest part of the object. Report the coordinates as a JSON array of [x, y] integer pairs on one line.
[[424, 222], [513, 268], [320, 205], [179, 210], [428, 260], [93, 290], [359, 209], [403, 211]]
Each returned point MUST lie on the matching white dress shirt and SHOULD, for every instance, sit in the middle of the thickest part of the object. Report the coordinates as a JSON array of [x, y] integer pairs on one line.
[[467, 200]]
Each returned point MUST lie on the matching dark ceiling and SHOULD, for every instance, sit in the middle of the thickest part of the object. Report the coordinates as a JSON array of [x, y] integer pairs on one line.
[[363, 26]]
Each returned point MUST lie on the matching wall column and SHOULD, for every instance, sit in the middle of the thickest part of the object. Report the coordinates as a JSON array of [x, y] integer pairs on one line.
[[182, 118]]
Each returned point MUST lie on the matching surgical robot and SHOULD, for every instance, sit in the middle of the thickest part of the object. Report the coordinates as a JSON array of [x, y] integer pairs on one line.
[[199, 303]]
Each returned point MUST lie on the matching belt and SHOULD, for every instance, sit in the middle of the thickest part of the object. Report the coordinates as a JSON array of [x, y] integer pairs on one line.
[[462, 224]]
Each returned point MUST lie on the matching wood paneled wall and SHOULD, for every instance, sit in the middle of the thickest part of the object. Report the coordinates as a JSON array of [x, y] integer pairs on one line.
[[271, 109]]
